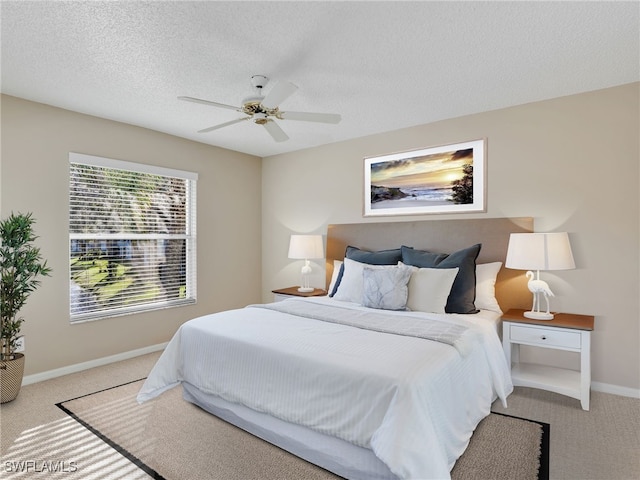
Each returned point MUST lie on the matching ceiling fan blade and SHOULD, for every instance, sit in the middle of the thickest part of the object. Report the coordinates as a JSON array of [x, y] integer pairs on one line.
[[311, 117], [208, 102], [278, 94], [275, 131], [222, 125]]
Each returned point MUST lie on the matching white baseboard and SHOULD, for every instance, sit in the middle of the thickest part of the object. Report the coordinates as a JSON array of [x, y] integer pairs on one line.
[[615, 389], [78, 367]]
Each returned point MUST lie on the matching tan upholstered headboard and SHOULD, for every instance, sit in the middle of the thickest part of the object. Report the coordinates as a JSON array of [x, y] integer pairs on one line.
[[442, 236]]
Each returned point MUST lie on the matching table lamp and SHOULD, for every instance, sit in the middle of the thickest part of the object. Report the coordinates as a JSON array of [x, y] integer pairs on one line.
[[539, 251], [306, 247]]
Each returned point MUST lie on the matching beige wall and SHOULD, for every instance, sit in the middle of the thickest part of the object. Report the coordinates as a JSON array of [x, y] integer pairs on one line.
[[571, 163], [36, 141]]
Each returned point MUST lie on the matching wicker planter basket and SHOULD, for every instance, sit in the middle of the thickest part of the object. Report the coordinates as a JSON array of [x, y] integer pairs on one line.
[[11, 373]]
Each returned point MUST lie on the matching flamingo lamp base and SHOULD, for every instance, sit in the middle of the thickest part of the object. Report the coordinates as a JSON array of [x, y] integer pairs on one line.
[[306, 270], [539, 315], [539, 289]]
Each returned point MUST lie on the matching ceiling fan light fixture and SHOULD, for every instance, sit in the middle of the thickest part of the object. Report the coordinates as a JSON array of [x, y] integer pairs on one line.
[[260, 118]]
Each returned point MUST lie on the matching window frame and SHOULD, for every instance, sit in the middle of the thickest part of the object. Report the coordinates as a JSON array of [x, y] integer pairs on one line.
[[189, 236]]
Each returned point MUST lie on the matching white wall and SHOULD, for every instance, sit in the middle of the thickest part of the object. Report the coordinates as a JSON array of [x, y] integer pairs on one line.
[[36, 141], [572, 163]]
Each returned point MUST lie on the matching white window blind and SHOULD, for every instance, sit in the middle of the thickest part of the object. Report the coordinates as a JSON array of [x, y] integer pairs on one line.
[[132, 237]]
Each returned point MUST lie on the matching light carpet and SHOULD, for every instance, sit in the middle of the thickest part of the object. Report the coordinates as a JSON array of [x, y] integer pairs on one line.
[[172, 439]]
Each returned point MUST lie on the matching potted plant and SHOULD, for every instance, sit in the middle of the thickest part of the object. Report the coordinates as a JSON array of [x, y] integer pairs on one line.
[[20, 265]]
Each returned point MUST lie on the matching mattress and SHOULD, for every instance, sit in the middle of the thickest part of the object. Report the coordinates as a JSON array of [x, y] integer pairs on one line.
[[412, 402]]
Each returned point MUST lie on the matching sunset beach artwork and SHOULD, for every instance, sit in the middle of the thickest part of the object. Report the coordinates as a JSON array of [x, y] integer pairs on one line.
[[444, 179]]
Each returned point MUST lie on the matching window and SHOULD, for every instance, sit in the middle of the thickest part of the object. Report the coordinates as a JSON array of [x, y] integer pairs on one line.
[[132, 237]]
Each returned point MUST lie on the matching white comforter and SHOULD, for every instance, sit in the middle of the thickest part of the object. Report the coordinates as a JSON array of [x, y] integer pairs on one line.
[[413, 402]]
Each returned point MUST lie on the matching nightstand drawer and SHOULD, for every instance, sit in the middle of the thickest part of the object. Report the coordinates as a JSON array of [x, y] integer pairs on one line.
[[551, 337]]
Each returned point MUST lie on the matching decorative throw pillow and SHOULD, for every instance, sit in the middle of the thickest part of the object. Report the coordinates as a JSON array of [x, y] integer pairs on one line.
[[429, 289], [486, 274], [351, 285], [462, 296], [385, 288], [381, 257]]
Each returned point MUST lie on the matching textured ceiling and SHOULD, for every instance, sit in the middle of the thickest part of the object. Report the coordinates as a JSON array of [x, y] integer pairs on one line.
[[381, 65]]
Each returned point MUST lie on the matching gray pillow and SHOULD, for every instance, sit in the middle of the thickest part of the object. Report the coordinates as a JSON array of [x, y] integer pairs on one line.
[[463, 292], [386, 287]]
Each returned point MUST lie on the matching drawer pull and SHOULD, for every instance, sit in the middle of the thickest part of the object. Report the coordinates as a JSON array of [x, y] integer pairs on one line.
[[543, 337]]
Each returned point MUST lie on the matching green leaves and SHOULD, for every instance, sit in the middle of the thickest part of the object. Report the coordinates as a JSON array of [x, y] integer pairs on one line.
[[20, 265]]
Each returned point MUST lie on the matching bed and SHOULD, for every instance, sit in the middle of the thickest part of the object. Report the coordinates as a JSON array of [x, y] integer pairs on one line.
[[356, 382]]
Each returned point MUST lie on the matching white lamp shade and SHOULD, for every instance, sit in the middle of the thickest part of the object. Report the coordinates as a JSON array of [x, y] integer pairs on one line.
[[539, 251], [306, 246]]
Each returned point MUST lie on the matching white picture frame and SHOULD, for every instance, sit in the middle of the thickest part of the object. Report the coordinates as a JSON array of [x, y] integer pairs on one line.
[[441, 179]]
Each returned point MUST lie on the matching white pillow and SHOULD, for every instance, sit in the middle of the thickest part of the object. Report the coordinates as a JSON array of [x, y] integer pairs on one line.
[[334, 276], [429, 289], [352, 284], [386, 288], [486, 274]]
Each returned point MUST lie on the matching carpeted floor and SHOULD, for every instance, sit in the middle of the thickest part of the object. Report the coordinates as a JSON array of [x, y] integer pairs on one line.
[[602, 443], [166, 438]]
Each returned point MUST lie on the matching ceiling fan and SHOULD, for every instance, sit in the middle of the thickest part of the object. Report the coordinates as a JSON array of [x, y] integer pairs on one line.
[[264, 109]]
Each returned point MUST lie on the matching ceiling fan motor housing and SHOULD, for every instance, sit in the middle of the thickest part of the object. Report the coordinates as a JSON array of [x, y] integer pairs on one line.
[[253, 106]]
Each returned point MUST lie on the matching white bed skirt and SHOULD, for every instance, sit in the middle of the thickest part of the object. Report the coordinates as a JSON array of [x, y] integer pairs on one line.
[[331, 453]]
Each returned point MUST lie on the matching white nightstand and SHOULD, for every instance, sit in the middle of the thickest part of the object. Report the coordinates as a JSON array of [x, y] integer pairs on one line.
[[284, 293], [567, 332]]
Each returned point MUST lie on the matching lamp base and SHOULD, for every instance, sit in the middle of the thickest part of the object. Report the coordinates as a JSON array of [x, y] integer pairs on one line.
[[305, 289], [539, 315]]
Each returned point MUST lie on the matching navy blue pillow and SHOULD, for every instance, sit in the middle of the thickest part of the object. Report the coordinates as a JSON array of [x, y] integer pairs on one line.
[[381, 257], [463, 291]]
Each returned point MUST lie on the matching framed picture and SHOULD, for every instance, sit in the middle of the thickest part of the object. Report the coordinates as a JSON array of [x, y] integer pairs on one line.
[[444, 179]]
